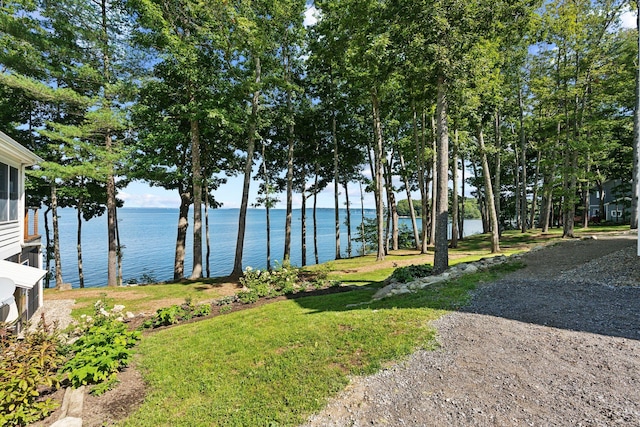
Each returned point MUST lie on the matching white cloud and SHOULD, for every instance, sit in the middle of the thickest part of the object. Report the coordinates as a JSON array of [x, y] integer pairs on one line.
[[628, 18], [310, 16], [147, 200]]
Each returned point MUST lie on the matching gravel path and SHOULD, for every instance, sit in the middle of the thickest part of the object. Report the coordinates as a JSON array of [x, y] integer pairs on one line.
[[56, 312], [554, 344]]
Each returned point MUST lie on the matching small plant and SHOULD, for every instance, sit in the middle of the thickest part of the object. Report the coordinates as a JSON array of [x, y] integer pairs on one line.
[[229, 299], [202, 310], [103, 347], [248, 297], [169, 315], [177, 313], [225, 309], [26, 366], [411, 273]]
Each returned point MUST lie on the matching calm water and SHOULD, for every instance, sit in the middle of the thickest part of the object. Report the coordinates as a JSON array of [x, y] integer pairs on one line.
[[148, 236]]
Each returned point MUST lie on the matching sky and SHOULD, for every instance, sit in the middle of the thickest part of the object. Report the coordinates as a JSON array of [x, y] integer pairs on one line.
[[140, 194]]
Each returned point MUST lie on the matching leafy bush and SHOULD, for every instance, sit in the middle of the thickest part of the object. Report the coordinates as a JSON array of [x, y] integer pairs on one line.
[[103, 347], [411, 273], [284, 279], [177, 313], [25, 367], [248, 297]]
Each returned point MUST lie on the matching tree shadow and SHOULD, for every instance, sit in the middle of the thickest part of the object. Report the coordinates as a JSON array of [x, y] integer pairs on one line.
[[565, 303], [577, 306]]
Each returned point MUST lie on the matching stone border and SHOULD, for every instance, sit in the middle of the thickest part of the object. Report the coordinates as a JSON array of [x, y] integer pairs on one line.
[[396, 288]]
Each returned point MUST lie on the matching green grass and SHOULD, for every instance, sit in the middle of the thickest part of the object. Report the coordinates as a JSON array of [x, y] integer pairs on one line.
[[138, 298], [278, 363]]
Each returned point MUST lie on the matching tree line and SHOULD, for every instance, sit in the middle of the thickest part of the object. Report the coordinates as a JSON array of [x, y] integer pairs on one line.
[[538, 100]]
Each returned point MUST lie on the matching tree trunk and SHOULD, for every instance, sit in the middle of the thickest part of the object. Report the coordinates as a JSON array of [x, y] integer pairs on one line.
[[303, 228], [56, 235], [336, 183], [516, 151], [290, 138], [601, 212], [79, 244], [315, 207], [412, 212], [242, 219], [434, 181], [364, 239], [348, 206], [206, 229], [495, 235], [454, 201], [480, 198], [534, 198], [523, 165], [441, 256], [120, 252], [421, 172], [498, 171], [378, 153], [464, 198], [267, 211], [181, 240], [635, 186], [112, 258], [389, 192], [196, 172], [48, 249]]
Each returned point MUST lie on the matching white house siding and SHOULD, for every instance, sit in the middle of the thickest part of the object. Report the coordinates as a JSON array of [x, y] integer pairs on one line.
[[10, 239]]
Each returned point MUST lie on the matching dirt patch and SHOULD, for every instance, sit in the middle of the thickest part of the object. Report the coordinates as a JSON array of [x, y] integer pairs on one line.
[[556, 343]]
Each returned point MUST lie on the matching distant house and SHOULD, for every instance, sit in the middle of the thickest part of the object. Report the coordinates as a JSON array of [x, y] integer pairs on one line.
[[20, 244], [611, 202]]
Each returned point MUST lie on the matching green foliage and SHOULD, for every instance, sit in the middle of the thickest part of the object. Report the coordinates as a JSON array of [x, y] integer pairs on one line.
[[104, 347], [471, 210], [177, 313], [284, 279], [411, 272], [26, 367], [405, 235], [248, 297]]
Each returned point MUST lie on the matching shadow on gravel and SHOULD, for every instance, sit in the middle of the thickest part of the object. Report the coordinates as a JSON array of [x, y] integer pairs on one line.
[[580, 306], [587, 297]]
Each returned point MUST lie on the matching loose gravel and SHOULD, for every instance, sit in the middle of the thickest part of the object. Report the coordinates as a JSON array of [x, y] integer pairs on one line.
[[554, 344]]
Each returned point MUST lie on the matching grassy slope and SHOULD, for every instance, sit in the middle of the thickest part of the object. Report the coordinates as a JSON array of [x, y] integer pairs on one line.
[[278, 363]]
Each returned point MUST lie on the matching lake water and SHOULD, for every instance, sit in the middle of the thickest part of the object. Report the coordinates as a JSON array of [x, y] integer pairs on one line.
[[148, 236]]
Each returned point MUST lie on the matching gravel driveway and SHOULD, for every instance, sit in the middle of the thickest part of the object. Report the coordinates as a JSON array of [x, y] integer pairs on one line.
[[554, 344]]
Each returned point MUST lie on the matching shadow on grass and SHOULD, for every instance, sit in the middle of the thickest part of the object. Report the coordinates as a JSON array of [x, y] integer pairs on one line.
[[449, 295], [592, 306]]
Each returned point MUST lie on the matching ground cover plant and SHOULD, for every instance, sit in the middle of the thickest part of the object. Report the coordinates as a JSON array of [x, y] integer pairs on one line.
[[103, 347], [26, 367]]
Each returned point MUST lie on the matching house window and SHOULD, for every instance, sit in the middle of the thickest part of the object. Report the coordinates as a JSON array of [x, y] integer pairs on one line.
[[9, 193], [616, 214]]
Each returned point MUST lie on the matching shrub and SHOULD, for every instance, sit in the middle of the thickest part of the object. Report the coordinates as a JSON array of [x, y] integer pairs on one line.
[[284, 279], [25, 367], [411, 273], [103, 347], [248, 297], [177, 313]]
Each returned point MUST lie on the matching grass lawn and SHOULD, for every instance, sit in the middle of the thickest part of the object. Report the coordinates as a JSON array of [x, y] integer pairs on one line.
[[278, 363], [143, 298]]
